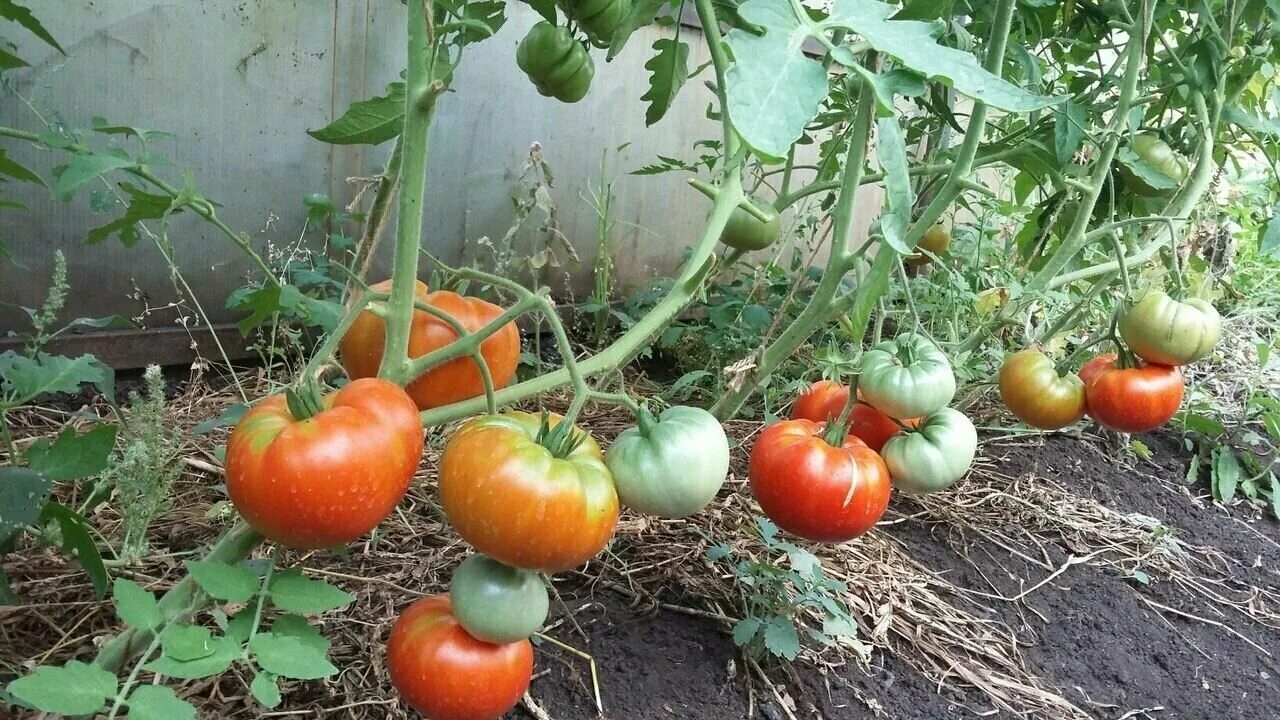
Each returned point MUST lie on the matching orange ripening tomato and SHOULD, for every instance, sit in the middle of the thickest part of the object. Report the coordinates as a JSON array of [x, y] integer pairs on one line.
[[1033, 390], [453, 381], [1134, 399], [512, 500], [811, 489], [824, 400], [324, 481], [445, 673]]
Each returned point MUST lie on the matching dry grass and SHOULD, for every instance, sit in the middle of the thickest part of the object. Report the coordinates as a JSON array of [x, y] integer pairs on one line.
[[902, 606]]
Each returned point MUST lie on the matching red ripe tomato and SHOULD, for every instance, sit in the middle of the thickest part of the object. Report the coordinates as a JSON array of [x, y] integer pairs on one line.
[[324, 481], [1094, 366], [819, 492], [823, 402], [446, 674], [453, 381], [1134, 399], [512, 500]]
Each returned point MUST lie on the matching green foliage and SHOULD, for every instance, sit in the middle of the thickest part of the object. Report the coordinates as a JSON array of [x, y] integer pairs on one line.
[[668, 69], [786, 593], [367, 122]]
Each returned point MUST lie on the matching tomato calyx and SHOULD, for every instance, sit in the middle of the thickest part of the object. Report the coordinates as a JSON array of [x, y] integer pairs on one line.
[[645, 420], [304, 401], [560, 440]]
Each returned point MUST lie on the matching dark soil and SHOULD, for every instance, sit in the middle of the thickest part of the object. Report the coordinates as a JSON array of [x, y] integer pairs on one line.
[[1088, 633]]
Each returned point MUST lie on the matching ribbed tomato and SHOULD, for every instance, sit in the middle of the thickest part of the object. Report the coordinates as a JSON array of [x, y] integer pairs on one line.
[[1095, 366], [824, 400], [459, 379], [1134, 399], [512, 500], [446, 674], [814, 490], [324, 481]]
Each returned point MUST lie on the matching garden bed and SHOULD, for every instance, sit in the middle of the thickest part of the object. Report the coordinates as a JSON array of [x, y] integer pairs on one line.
[[1057, 580]]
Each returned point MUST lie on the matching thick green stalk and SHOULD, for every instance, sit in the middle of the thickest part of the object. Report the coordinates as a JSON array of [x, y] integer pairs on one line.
[[420, 100]]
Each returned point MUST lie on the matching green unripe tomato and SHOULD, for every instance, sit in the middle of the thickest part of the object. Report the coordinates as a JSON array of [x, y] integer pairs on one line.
[[934, 455], [907, 377], [745, 231], [1156, 153], [1164, 331], [672, 466], [599, 18], [497, 603], [558, 65]]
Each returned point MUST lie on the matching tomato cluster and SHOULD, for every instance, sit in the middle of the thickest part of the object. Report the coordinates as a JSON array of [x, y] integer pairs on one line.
[[1118, 390], [558, 64], [898, 432]]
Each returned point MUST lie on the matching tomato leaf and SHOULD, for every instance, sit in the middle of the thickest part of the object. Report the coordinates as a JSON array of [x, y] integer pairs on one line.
[[142, 206], [73, 689], [899, 199], [925, 10], [294, 592], [233, 583], [187, 642], [296, 626], [1269, 242], [547, 9], [668, 69], [773, 89], [230, 416], [262, 303], [914, 44], [77, 541], [744, 631], [367, 122], [265, 690], [101, 125], [23, 493], [10, 10], [87, 166], [1226, 474], [157, 702], [642, 14], [1068, 131], [225, 652], [135, 606], [290, 657], [1149, 174], [13, 169], [71, 456], [9, 61]]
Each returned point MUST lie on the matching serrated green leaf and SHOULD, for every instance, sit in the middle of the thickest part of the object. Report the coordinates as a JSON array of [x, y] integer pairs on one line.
[[77, 541], [264, 302], [1068, 130], [23, 377], [73, 689], [642, 14], [367, 122], [744, 631], [142, 206], [11, 168], [233, 583], [899, 199], [839, 626], [187, 642], [101, 125], [157, 702], [296, 626], [225, 652], [86, 166], [265, 690], [10, 10], [72, 456], [293, 592], [135, 606], [545, 8], [23, 493], [781, 638], [290, 657], [668, 69], [914, 44], [773, 89]]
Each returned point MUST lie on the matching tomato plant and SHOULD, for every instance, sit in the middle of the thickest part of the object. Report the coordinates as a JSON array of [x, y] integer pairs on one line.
[[514, 500], [458, 379], [497, 603], [813, 489], [325, 480], [1153, 155], [1132, 399], [559, 66], [1040, 396], [745, 231], [934, 455], [446, 674], [1162, 330], [670, 466], [936, 241]]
